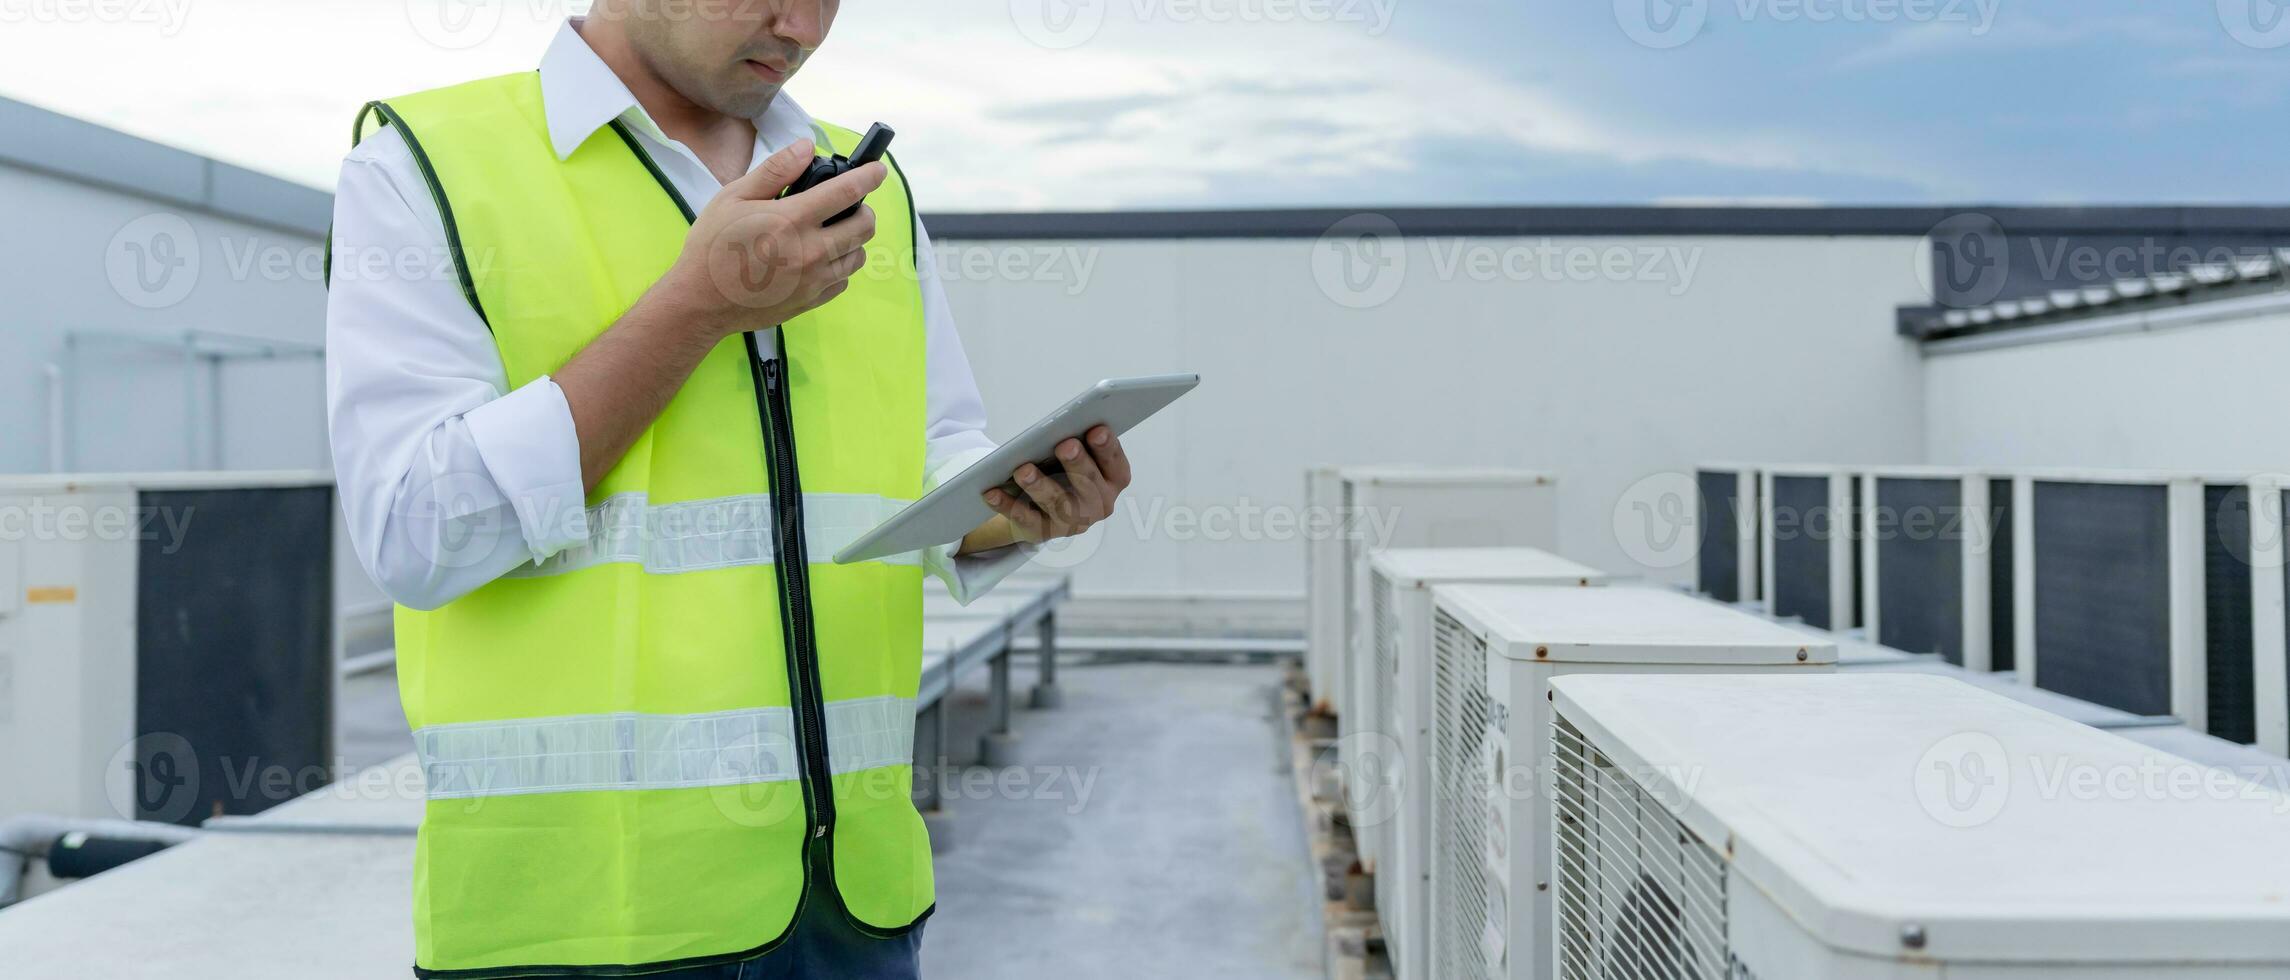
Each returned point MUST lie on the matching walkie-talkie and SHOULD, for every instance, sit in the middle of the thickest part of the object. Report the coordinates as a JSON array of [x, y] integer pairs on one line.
[[823, 169]]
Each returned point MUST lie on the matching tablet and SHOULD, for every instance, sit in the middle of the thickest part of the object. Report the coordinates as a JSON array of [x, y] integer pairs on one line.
[[958, 506]]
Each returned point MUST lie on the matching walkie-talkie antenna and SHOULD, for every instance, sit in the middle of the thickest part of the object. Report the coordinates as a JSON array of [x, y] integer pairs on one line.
[[873, 145]]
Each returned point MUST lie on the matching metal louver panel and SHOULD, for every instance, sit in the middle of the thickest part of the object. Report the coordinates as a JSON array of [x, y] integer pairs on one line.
[[1802, 526], [1466, 905], [1383, 698], [1920, 566], [2103, 593], [1639, 896], [1719, 554], [2226, 608]]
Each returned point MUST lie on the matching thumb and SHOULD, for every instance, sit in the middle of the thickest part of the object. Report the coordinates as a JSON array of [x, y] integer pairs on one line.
[[772, 176]]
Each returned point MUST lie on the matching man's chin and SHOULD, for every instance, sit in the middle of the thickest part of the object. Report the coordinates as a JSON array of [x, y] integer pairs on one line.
[[747, 103]]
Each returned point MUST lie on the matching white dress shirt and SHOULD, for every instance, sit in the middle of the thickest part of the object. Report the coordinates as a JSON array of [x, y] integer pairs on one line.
[[437, 459]]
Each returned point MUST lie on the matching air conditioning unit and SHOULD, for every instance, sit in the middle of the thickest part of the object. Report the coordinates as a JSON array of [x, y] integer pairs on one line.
[[1812, 545], [1425, 507], [1933, 579], [166, 643], [1864, 826], [1728, 544], [1494, 651], [2115, 599], [1391, 808]]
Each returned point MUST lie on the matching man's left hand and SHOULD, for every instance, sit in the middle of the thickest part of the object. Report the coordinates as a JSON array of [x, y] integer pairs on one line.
[[1059, 505]]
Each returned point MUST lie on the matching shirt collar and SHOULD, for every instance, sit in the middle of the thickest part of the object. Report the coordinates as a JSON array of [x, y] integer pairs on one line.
[[580, 95]]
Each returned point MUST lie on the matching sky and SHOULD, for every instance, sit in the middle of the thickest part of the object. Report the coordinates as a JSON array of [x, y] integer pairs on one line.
[[1005, 105]]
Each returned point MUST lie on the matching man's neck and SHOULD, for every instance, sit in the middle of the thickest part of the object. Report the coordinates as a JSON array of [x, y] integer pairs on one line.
[[725, 143]]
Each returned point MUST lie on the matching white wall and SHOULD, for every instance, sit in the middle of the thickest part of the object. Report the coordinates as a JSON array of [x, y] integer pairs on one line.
[[1772, 348], [58, 252], [2203, 397]]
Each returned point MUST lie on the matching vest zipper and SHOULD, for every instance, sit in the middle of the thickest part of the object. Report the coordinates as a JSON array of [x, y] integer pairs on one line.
[[794, 574], [774, 410]]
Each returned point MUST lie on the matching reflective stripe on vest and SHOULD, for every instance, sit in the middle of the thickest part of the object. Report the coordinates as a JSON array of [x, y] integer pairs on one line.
[[725, 532], [628, 751], [579, 720]]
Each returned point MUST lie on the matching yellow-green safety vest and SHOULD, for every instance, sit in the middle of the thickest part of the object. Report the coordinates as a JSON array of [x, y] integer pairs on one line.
[[651, 749]]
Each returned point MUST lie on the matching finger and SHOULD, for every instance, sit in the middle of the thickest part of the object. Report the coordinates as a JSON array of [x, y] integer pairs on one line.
[[843, 266], [833, 197], [1053, 500], [834, 289], [1022, 515], [1090, 492], [1112, 460], [771, 177], [853, 233]]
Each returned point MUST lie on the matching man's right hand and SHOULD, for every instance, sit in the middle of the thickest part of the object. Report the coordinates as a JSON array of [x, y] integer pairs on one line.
[[754, 260]]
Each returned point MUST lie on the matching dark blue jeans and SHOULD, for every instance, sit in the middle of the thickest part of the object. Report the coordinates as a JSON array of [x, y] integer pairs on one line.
[[824, 946]]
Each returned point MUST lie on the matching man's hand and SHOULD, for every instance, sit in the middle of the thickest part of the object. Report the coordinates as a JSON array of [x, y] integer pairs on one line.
[[1057, 505], [753, 260], [750, 262]]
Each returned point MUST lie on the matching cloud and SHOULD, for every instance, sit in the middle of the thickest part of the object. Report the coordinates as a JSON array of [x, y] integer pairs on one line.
[[1944, 38]]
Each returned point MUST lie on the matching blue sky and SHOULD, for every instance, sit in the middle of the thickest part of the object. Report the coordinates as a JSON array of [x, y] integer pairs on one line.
[[1076, 104]]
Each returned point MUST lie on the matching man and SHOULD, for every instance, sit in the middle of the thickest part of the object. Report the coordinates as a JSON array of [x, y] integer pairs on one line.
[[574, 457]]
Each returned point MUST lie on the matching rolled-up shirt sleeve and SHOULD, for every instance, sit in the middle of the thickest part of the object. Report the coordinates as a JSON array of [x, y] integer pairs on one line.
[[448, 478], [957, 434]]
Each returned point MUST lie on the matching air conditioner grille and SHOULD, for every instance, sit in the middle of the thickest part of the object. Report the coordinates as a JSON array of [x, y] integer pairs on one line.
[[1381, 698], [1639, 896], [1468, 907]]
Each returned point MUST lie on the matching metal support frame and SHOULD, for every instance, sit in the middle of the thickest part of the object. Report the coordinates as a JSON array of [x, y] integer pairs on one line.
[[930, 763], [1046, 692], [203, 354]]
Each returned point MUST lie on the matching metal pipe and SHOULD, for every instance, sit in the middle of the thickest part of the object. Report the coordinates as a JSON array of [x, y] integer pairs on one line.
[[28, 836], [55, 376]]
